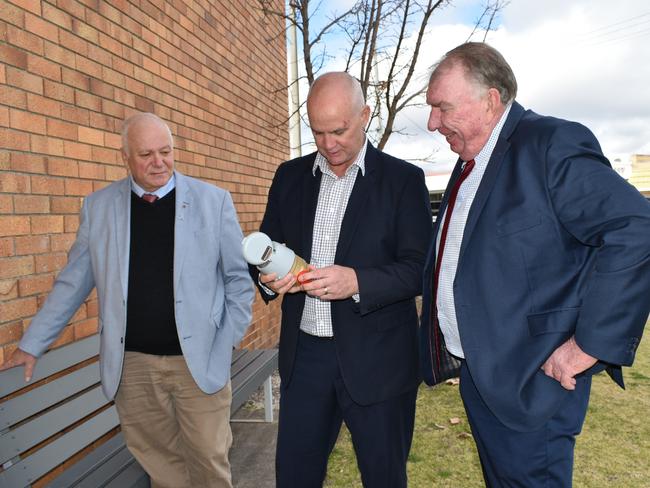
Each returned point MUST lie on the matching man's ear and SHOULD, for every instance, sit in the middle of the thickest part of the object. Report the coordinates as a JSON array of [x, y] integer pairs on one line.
[[365, 114], [494, 100]]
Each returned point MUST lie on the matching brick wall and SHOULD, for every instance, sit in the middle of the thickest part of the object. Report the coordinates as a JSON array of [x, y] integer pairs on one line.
[[72, 70]]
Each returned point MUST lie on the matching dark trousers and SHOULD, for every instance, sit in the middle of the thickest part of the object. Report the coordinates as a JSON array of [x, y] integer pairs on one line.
[[541, 458], [312, 408]]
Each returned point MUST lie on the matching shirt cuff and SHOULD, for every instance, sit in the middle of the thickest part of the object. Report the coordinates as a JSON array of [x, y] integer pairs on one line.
[[266, 289]]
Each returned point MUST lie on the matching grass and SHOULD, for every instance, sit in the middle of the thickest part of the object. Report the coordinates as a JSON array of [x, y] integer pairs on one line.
[[612, 451]]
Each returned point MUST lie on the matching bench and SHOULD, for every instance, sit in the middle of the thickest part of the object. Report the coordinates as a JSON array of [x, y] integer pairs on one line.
[[63, 411]]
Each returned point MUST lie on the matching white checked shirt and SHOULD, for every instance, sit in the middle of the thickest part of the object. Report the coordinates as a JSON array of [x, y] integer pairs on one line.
[[333, 199], [445, 295]]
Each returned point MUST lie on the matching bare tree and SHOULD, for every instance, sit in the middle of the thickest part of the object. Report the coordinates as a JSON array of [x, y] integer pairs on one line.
[[383, 43]]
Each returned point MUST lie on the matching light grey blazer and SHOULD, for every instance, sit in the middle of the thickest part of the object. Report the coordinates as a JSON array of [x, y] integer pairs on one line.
[[213, 292]]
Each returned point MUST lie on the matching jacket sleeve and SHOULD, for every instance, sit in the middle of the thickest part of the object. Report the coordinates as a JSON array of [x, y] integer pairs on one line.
[[239, 292], [71, 287], [600, 209]]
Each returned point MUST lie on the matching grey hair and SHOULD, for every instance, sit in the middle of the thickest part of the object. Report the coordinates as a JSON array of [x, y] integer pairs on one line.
[[484, 65], [128, 123]]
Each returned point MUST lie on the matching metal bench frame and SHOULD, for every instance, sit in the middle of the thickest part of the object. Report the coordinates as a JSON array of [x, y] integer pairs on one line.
[[70, 412]]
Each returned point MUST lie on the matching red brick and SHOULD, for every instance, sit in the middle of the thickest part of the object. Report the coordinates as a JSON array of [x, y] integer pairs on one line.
[[46, 224], [42, 105], [114, 173], [6, 204], [88, 66], [91, 136], [34, 6], [14, 183], [102, 122], [12, 96], [91, 170], [112, 108], [59, 17], [76, 150], [43, 67], [113, 141], [62, 242], [66, 337], [64, 57], [6, 247], [46, 185], [61, 129], [8, 289], [46, 145], [65, 205], [41, 27], [88, 100], [72, 7], [16, 266], [75, 114], [78, 187], [92, 308], [13, 56], [4, 117], [106, 156], [27, 121], [28, 163], [71, 222], [24, 39], [85, 328], [48, 263], [32, 244], [13, 139], [12, 332], [35, 284], [24, 80], [31, 204], [58, 91]]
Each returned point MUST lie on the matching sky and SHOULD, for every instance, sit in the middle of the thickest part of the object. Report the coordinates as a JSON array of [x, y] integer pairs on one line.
[[582, 60]]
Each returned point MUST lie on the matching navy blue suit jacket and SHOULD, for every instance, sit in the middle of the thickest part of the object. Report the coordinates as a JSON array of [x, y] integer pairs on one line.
[[384, 236], [556, 244]]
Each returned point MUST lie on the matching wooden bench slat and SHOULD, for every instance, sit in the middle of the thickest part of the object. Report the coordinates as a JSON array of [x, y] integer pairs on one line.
[[55, 453], [37, 430], [245, 382], [82, 472], [38, 399], [52, 362]]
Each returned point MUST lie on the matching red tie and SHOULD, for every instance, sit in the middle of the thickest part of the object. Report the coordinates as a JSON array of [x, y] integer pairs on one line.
[[467, 169], [149, 197]]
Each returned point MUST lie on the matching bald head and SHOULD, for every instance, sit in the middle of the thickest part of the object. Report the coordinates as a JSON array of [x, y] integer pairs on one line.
[[337, 85], [139, 119]]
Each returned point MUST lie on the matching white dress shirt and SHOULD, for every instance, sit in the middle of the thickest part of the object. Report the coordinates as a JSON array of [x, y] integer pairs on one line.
[[445, 294]]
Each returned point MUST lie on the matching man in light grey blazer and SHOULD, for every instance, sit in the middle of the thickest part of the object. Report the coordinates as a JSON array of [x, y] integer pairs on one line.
[[164, 252]]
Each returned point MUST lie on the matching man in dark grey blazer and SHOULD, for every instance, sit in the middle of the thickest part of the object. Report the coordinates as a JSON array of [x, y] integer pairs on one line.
[[164, 252], [348, 342]]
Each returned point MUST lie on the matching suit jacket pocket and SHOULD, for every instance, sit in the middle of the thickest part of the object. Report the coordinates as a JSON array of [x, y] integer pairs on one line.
[[554, 321], [506, 227]]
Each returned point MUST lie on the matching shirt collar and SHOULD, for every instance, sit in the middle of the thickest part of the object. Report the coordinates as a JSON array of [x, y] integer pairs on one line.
[[160, 192], [360, 162]]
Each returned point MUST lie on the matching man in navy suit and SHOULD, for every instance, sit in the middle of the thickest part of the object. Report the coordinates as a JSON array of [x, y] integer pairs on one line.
[[348, 342], [539, 274]]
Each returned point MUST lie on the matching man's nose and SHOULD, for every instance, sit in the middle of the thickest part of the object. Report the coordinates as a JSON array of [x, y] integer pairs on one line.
[[434, 120], [329, 141]]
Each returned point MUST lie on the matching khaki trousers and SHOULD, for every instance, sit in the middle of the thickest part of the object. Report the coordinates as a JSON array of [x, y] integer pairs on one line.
[[180, 435]]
